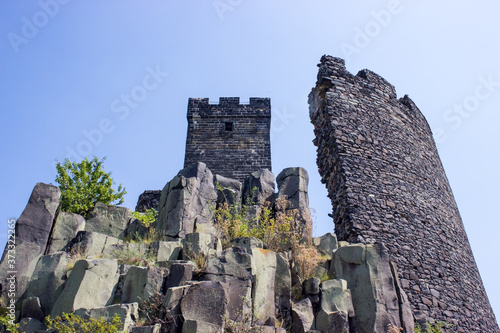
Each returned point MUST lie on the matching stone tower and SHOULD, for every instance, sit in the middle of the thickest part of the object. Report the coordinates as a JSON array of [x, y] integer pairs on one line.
[[232, 139], [386, 182]]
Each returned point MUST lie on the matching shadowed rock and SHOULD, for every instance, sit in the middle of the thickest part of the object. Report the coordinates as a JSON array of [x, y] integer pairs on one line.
[[185, 202], [91, 284], [376, 296], [65, 229]]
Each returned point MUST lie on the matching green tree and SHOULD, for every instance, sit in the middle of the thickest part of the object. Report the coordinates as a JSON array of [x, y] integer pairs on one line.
[[85, 183]]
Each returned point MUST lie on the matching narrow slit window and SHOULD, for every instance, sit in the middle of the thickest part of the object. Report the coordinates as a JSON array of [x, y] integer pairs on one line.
[[229, 126]]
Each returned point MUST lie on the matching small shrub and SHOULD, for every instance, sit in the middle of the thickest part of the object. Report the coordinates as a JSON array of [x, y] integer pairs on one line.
[[307, 258], [230, 223], [281, 229], [76, 253], [84, 184], [132, 255], [7, 321], [393, 329], [146, 218], [71, 323], [151, 236], [438, 327]]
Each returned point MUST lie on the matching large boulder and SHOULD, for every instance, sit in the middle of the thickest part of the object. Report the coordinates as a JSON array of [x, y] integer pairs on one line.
[[293, 184], [228, 191], [163, 252], [35, 223], [196, 243], [141, 283], [326, 244], [31, 308], [264, 270], [186, 201], [332, 322], [205, 301], [377, 298], [180, 273], [172, 306], [233, 270], [128, 313], [26, 257], [47, 280], [31, 325], [258, 187], [148, 200], [336, 297], [90, 285], [32, 233], [302, 316], [66, 226], [283, 287], [90, 244], [108, 220]]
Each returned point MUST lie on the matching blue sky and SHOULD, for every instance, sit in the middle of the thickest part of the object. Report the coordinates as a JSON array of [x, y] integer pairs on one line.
[[113, 79]]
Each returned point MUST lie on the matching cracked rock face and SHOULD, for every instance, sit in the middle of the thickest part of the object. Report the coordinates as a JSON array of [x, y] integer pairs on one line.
[[293, 184], [186, 200]]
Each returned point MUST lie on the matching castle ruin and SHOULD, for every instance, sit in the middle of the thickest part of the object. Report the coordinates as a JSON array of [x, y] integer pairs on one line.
[[379, 162], [232, 139]]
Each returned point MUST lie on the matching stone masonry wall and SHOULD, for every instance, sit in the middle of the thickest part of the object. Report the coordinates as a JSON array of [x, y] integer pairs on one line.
[[232, 139], [386, 182]]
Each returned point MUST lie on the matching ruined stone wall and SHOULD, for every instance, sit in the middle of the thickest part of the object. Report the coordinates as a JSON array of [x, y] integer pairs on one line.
[[386, 182], [232, 139]]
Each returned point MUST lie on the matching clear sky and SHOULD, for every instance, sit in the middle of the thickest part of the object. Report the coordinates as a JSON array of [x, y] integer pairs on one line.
[[112, 78]]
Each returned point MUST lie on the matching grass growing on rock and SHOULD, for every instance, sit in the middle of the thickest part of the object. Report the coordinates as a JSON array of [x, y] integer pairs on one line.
[[280, 227]]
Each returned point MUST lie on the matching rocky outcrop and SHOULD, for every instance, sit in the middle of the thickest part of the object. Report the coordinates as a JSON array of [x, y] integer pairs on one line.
[[188, 283], [148, 200], [228, 190], [292, 185], [108, 220], [90, 285], [65, 228], [185, 203], [49, 274], [32, 232], [376, 294]]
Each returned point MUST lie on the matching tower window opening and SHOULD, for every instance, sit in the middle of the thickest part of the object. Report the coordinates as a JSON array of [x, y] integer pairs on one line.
[[229, 126]]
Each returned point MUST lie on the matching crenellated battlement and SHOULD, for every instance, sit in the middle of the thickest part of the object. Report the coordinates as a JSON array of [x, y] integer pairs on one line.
[[229, 107]]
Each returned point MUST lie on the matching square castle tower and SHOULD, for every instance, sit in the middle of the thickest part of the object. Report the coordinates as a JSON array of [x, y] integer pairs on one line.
[[232, 139]]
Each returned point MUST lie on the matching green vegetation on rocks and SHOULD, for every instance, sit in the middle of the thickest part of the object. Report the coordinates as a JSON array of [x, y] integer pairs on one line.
[[84, 184]]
